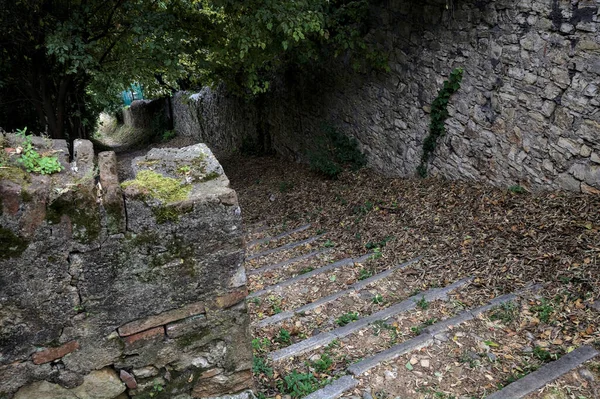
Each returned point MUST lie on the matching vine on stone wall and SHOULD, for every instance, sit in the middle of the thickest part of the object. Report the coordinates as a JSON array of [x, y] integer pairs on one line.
[[439, 114]]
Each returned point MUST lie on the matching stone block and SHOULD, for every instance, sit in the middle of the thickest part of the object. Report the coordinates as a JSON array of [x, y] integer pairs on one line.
[[223, 385], [230, 299], [99, 384]]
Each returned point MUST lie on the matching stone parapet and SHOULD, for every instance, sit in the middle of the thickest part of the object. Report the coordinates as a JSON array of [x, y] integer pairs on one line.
[[110, 288]]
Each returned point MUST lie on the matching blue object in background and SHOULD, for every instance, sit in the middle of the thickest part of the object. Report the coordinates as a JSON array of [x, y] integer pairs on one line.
[[135, 92]]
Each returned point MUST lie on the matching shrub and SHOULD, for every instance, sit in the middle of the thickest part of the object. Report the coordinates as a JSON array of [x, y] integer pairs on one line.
[[333, 151]]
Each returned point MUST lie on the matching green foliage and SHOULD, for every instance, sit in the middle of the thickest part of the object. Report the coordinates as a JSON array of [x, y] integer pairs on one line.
[[364, 209], [517, 189], [333, 151], [260, 366], [299, 384], [376, 254], [168, 135], [544, 355], [378, 244], [364, 274], [377, 299], [328, 244], [439, 114], [306, 270], [261, 345], [346, 318], [83, 53], [284, 337], [33, 161], [506, 313], [422, 303], [323, 364], [544, 310]]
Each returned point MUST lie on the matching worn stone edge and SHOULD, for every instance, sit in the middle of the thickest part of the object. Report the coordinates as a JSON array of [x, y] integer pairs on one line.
[[287, 262], [301, 277], [546, 374], [340, 332], [291, 245], [335, 389], [426, 337], [278, 237], [354, 287]]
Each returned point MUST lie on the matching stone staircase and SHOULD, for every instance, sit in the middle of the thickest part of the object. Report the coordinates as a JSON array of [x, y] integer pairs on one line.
[[369, 333]]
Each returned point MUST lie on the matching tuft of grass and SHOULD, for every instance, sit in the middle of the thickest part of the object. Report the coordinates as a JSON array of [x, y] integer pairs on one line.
[[323, 364], [364, 274], [346, 318], [284, 337], [506, 312], [544, 310], [298, 384], [423, 304], [260, 366], [377, 299], [516, 189]]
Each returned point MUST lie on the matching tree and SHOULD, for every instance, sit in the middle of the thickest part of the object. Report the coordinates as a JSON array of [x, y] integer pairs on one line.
[[64, 60]]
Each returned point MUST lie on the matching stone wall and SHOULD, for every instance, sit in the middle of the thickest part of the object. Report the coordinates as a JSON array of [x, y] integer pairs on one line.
[[527, 112], [152, 116], [108, 292], [214, 117]]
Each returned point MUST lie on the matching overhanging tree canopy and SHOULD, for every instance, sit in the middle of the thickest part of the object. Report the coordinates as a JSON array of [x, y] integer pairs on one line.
[[66, 59]]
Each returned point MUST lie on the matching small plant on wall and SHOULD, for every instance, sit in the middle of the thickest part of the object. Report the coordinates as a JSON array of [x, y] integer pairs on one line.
[[439, 114], [333, 150]]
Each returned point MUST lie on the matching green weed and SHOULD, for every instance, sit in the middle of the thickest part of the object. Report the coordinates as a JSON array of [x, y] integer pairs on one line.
[[260, 366], [284, 337], [346, 318], [423, 304]]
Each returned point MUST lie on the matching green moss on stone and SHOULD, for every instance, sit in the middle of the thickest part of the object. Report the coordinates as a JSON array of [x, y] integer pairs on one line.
[[114, 217], [164, 214], [83, 214], [26, 195], [12, 245], [157, 186], [210, 176], [14, 174]]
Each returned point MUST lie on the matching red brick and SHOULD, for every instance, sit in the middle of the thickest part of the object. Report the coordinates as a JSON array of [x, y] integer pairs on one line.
[[145, 335], [230, 299], [161, 319], [50, 354]]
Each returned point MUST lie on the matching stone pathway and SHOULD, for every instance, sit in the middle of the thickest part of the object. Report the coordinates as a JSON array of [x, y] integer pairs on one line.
[[374, 336]]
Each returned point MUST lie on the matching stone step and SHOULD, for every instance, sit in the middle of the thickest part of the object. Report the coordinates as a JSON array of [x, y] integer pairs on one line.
[[546, 374], [279, 265], [325, 338], [277, 237], [426, 338], [331, 298], [288, 246], [301, 277], [335, 389]]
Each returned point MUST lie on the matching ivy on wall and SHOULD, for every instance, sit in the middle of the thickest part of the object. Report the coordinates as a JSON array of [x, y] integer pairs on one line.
[[439, 114]]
